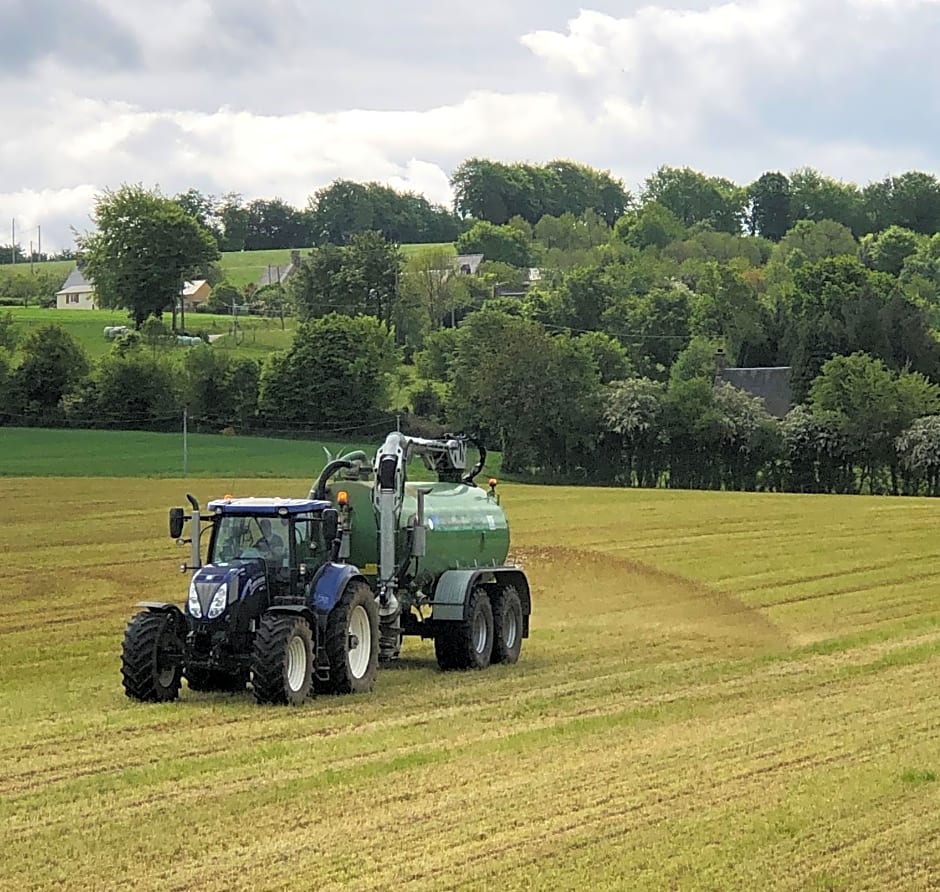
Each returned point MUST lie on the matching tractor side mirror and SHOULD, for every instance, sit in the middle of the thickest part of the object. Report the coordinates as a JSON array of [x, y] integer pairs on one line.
[[330, 525], [176, 523]]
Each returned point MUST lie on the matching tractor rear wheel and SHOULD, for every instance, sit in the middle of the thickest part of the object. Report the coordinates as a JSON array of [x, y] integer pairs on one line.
[[507, 626], [467, 644], [150, 658], [352, 641], [214, 680], [282, 661]]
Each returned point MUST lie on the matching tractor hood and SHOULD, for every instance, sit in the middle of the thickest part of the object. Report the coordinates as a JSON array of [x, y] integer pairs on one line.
[[216, 586]]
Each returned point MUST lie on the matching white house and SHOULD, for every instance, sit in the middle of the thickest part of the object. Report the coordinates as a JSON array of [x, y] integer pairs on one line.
[[77, 293]]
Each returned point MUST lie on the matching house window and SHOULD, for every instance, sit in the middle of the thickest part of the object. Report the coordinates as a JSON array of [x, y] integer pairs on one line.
[[73, 298]]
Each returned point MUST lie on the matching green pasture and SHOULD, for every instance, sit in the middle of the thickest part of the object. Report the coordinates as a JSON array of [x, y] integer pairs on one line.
[[256, 336], [246, 267], [721, 691], [38, 452], [239, 267], [408, 250], [58, 267]]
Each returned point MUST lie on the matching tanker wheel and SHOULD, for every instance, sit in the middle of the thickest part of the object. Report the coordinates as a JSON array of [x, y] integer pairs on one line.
[[352, 641], [282, 660], [507, 626], [467, 644], [150, 658], [215, 680]]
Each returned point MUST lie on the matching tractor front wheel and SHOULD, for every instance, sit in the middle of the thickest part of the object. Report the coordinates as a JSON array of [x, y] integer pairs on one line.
[[282, 661], [467, 644], [352, 641], [150, 658]]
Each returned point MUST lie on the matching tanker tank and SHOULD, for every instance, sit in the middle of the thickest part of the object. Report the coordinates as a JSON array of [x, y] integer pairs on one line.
[[466, 527]]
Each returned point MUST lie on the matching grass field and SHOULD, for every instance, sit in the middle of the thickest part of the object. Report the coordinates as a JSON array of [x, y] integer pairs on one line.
[[245, 267], [239, 267], [58, 267], [257, 337], [37, 452], [721, 691]]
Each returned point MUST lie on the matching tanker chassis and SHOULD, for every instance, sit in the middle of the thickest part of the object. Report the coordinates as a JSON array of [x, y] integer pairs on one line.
[[299, 596]]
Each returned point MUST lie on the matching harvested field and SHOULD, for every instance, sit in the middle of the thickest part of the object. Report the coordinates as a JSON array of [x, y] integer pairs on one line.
[[721, 691]]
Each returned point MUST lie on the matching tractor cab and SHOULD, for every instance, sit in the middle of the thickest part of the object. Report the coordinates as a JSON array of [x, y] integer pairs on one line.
[[285, 539], [261, 551]]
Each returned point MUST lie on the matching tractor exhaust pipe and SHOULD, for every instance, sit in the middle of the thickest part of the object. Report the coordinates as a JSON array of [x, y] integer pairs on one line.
[[194, 529]]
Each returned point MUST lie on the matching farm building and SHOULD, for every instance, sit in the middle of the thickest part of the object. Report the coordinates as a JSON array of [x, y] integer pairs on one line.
[[196, 293], [468, 264], [76, 293], [770, 384]]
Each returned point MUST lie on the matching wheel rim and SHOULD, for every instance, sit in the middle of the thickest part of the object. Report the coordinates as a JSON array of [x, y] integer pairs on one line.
[[166, 670], [479, 632], [296, 663], [360, 655], [510, 629], [165, 676]]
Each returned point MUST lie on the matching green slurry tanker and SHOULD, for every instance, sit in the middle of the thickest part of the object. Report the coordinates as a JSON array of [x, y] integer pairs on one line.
[[310, 594]]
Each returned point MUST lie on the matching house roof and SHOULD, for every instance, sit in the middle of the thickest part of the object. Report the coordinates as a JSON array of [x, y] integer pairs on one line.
[[190, 288], [770, 384], [76, 283], [470, 261]]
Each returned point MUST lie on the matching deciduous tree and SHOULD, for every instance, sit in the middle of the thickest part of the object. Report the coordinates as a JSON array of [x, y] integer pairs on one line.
[[144, 247]]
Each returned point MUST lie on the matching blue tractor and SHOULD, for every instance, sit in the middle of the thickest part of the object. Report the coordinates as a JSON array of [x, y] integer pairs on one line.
[[272, 603]]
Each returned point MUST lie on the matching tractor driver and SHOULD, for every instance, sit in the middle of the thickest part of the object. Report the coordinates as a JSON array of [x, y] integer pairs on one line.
[[270, 541]]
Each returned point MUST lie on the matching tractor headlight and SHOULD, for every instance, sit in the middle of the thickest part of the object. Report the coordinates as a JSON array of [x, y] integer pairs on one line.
[[219, 602], [192, 602]]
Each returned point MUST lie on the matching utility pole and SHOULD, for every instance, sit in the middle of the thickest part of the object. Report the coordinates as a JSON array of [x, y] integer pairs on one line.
[[185, 441], [39, 237], [13, 239]]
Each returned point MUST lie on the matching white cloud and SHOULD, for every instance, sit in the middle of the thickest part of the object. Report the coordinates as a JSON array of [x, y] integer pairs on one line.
[[733, 88]]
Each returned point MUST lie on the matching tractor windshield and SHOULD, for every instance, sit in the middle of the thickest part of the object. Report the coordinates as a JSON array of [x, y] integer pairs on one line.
[[251, 537]]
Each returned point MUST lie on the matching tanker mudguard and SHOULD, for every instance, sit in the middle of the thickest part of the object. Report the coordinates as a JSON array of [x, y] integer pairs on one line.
[[330, 583], [453, 588]]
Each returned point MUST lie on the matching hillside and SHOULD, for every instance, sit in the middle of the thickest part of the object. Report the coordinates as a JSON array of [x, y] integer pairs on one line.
[[238, 267], [258, 336]]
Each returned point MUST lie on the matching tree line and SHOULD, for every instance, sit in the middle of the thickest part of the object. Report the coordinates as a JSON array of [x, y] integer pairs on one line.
[[601, 363]]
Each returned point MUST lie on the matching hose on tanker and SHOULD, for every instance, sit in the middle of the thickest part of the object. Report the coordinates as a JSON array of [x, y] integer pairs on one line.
[[469, 478], [318, 491]]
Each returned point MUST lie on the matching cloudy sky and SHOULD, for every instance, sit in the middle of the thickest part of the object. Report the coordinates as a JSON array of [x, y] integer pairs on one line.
[[279, 97]]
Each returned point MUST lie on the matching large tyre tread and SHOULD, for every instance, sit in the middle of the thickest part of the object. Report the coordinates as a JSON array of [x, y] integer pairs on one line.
[[506, 601], [269, 658], [341, 679], [139, 659], [453, 642]]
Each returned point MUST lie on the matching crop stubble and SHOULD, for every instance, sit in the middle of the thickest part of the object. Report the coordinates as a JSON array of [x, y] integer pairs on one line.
[[721, 691]]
